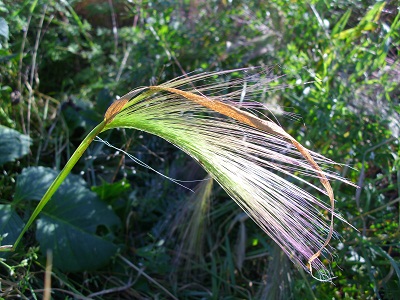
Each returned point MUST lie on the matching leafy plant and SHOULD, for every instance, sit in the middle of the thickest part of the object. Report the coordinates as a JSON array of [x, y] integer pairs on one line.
[[78, 242], [14, 145]]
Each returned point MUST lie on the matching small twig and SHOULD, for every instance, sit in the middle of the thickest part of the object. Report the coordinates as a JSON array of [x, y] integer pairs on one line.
[[34, 107], [47, 97], [114, 25], [189, 285], [76, 296], [121, 161], [320, 22], [141, 272], [360, 182], [21, 56], [113, 290], [168, 52], [47, 276], [123, 63], [33, 67], [376, 209], [386, 278], [22, 52]]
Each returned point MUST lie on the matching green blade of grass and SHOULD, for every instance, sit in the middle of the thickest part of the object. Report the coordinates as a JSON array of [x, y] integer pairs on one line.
[[57, 182]]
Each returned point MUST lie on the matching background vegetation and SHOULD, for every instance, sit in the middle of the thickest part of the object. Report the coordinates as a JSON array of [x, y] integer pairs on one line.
[[63, 62]]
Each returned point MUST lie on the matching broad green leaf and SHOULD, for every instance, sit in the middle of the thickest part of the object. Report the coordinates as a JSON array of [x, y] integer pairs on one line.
[[10, 226], [4, 28], [40, 179], [13, 144], [111, 191], [75, 224]]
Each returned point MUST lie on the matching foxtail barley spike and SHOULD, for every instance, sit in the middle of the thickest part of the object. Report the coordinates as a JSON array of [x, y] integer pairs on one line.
[[268, 126], [241, 152]]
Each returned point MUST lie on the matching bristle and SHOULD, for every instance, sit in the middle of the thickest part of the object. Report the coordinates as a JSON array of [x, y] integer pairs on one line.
[[190, 222], [243, 153]]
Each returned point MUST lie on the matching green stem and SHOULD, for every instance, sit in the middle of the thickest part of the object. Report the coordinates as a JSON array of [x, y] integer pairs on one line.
[[60, 178]]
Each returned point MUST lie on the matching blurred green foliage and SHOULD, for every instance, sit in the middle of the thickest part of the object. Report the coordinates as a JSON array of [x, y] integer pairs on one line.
[[63, 62]]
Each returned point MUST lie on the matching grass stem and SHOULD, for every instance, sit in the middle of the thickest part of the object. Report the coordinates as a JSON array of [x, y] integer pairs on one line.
[[59, 179]]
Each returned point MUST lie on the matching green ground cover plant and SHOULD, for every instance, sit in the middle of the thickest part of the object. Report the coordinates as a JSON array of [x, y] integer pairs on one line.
[[123, 229]]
